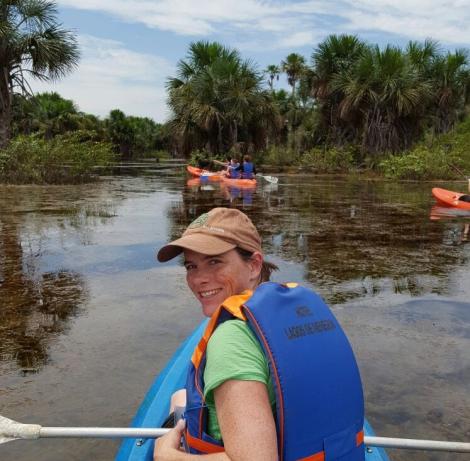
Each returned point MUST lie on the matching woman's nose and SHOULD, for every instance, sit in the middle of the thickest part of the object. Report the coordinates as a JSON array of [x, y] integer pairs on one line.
[[200, 276]]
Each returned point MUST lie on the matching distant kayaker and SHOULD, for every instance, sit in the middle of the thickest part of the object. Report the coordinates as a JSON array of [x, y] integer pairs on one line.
[[232, 167], [248, 169], [273, 376]]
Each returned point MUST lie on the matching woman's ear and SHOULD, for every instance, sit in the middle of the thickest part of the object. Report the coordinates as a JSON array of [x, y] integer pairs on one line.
[[256, 262]]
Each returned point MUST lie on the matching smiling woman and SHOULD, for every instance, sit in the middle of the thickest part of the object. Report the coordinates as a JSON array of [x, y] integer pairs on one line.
[[222, 256], [248, 389]]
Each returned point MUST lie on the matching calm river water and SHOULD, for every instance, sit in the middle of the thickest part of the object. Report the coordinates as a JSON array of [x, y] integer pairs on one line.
[[88, 317]]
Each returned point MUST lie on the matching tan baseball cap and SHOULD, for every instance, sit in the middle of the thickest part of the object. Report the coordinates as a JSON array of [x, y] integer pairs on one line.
[[216, 232]]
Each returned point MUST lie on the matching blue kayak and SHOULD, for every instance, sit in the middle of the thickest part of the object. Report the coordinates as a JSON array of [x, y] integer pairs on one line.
[[155, 407]]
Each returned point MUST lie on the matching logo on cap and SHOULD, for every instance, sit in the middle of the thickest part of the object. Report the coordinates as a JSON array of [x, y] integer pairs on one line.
[[199, 221]]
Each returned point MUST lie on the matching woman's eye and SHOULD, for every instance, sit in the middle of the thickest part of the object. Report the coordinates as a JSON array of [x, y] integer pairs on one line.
[[189, 266], [214, 261]]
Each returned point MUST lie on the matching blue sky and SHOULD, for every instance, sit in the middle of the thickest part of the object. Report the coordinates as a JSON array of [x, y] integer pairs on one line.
[[130, 47]]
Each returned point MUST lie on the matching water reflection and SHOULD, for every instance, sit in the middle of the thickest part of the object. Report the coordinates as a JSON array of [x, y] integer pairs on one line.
[[457, 232], [353, 238], [36, 302]]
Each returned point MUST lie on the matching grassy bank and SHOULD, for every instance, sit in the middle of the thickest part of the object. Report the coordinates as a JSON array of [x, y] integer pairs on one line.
[[66, 159]]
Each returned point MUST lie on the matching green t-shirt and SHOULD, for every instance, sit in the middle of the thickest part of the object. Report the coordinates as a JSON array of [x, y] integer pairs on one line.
[[233, 352]]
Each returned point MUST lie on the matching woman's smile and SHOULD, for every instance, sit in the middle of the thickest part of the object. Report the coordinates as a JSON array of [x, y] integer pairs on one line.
[[209, 293]]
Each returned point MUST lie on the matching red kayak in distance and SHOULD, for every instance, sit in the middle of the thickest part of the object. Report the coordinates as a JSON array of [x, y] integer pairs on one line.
[[450, 198]]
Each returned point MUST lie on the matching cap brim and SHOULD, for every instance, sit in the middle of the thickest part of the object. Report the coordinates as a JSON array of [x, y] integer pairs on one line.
[[200, 243]]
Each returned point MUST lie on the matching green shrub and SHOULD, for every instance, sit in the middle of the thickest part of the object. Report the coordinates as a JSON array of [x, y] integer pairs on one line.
[[199, 155], [69, 158], [329, 160], [423, 163], [279, 156]]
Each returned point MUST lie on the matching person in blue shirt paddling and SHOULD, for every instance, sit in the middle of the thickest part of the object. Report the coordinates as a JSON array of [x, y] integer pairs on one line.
[[248, 168], [232, 167]]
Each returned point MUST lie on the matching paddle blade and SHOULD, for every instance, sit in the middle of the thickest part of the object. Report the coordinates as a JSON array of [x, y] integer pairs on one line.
[[271, 179], [11, 430]]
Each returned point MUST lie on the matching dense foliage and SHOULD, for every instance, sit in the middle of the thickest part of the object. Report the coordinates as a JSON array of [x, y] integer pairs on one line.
[[355, 104], [386, 99], [445, 157], [33, 44], [49, 115], [68, 158], [218, 101]]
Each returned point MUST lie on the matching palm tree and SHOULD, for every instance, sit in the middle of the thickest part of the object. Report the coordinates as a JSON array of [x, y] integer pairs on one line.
[[423, 55], [293, 66], [386, 94], [121, 132], [31, 43], [217, 100], [273, 72], [451, 83], [336, 55]]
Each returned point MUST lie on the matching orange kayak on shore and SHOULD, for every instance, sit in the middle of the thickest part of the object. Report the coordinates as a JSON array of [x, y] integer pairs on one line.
[[199, 172], [450, 198]]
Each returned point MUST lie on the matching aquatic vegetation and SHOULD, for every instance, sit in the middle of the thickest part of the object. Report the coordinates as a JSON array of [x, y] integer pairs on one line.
[[69, 158]]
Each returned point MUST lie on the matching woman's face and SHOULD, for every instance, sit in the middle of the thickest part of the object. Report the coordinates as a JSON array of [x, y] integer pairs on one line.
[[213, 279]]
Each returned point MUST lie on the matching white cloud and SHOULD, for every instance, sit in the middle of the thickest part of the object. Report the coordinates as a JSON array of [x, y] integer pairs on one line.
[[110, 76], [419, 19], [298, 39], [272, 20]]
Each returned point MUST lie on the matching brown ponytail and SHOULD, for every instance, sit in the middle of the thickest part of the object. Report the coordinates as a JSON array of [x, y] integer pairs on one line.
[[266, 269]]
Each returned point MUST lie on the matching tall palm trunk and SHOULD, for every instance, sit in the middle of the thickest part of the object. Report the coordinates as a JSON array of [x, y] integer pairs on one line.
[[5, 109], [220, 141], [293, 88], [235, 133]]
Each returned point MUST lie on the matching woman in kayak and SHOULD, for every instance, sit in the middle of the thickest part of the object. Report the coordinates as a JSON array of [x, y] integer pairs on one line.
[[273, 376], [248, 168], [223, 257]]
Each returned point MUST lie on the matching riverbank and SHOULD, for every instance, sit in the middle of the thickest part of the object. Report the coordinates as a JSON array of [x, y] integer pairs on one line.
[[75, 158]]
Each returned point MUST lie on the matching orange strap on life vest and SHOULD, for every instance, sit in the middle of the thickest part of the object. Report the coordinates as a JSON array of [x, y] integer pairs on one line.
[[320, 456], [206, 447], [234, 306], [202, 445]]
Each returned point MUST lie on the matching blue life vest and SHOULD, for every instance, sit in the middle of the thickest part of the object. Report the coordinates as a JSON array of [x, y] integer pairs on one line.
[[319, 400], [248, 170], [234, 171]]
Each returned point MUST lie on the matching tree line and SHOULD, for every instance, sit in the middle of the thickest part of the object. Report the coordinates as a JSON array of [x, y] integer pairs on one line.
[[380, 100], [49, 115]]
